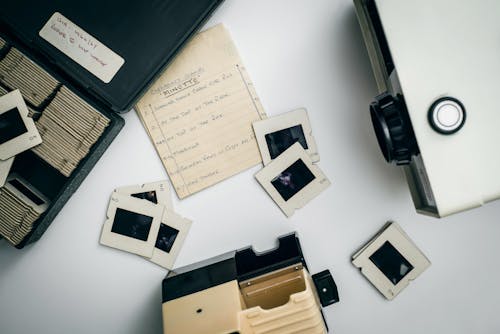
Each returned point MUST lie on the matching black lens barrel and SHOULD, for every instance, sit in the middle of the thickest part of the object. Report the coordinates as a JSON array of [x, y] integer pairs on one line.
[[393, 129]]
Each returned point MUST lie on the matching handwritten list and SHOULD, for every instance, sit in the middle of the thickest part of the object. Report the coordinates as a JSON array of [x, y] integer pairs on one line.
[[199, 114]]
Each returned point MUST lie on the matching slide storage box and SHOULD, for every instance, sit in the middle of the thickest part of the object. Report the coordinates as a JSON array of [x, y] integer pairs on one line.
[[132, 43]]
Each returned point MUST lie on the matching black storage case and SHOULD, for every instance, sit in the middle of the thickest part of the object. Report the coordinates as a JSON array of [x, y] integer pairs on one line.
[[146, 34]]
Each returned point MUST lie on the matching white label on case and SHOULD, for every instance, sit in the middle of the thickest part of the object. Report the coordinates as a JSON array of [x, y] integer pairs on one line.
[[81, 47]]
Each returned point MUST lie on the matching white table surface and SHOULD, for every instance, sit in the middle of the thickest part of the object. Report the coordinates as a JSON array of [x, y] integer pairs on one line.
[[299, 54]]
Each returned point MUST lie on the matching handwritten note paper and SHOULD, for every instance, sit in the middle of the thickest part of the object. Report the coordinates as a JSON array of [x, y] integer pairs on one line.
[[80, 46], [199, 114]]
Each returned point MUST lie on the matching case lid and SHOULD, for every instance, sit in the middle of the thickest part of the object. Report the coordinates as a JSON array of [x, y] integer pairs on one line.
[[135, 38]]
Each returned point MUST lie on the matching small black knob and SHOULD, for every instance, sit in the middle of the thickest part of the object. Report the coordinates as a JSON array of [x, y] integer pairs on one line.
[[393, 129], [326, 288]]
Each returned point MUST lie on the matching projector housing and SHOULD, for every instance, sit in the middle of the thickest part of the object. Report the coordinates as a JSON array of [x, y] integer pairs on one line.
[[436, 67]]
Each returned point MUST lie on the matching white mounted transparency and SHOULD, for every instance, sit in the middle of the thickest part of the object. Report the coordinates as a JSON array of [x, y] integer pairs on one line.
[[390, 260], [18, 132], [155, 192], [170, 239], [132, 224], [276, 134], [27, 193], [292, 180]]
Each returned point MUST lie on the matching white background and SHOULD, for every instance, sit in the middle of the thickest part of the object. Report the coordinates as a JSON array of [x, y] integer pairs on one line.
[[299, 54]]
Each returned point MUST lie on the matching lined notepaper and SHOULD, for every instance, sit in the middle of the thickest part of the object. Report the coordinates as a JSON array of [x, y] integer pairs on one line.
[[199, 114]]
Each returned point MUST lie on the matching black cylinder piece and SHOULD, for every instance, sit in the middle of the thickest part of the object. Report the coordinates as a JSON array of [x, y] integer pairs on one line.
[[393, 129]]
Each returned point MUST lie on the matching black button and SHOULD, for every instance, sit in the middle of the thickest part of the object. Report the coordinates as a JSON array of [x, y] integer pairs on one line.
[[326, 288]]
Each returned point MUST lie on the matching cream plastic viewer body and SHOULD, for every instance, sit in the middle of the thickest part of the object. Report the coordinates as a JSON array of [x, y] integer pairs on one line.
[[248, 293]]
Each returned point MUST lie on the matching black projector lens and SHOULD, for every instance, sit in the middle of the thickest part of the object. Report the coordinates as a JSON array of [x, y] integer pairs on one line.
[[393, 129]]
